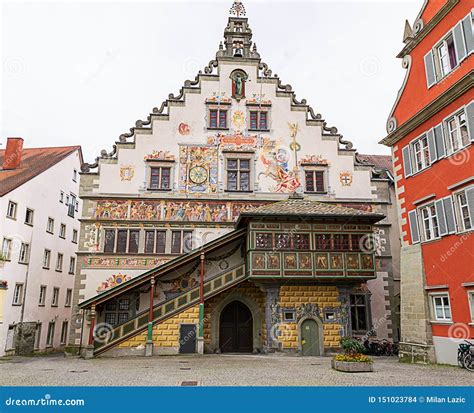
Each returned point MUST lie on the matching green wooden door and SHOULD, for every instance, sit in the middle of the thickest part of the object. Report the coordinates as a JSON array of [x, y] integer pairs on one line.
[[310, 338]]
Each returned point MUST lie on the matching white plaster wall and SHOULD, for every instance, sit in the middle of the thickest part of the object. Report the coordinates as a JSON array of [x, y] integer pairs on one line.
[[446, 349], [42, 195]]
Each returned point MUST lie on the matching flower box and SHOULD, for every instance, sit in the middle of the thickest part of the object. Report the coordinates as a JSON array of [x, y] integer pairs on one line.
[[352, 366]]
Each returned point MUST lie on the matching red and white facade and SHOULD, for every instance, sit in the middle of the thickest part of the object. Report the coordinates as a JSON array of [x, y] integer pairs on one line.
[[431, 130]]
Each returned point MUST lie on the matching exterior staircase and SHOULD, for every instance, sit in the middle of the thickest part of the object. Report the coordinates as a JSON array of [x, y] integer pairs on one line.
[[166, 309]]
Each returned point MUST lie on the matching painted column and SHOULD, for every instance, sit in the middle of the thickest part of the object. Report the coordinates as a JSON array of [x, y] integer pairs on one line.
[[149, 340], [200, 340], [89, 351], [272, 316]]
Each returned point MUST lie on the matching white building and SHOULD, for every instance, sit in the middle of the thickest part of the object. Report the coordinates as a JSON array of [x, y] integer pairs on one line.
[[39, 231]]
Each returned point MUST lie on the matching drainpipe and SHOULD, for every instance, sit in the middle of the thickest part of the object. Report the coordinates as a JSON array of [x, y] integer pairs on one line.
[[149, 340], [200, 340]]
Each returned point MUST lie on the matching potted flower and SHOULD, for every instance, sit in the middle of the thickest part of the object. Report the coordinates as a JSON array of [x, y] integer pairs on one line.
[[3, 284], [352, 360]]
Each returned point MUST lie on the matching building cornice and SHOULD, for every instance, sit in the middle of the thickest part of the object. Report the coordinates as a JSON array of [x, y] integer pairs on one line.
[[454, 92]]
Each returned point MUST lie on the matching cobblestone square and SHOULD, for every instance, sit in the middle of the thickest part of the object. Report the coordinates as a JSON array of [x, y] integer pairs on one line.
[[219, 370]]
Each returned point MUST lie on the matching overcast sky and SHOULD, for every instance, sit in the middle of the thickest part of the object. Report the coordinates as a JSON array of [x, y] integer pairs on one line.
[[84, 72]]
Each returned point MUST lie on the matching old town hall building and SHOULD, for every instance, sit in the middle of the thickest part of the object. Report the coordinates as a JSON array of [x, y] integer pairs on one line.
[[234, 219]]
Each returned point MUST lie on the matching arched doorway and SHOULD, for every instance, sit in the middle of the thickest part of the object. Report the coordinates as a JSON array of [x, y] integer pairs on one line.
[[310, 338], [236, 328]]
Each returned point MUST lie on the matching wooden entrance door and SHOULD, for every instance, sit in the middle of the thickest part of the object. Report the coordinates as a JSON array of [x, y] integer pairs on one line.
[[310, 338], [236, 329]]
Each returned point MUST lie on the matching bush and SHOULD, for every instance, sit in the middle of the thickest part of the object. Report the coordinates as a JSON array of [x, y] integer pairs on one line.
[[353, 358], [351, 346]]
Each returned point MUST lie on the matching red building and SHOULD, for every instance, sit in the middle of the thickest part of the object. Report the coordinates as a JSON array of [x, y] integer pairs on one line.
[[430, 131]]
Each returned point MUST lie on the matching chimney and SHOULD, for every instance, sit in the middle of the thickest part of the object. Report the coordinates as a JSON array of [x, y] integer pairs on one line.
[[12, 157]]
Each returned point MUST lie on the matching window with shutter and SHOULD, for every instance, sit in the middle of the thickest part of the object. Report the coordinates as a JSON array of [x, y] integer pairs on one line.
[[406, 161], [430, 69], [468, 33], [441, 217], [470, 119], [449, 215], [458, 36], [464, 208], [413, 220], [439, 141]]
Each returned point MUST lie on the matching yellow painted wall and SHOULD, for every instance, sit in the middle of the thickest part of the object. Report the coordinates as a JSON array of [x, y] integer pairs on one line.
[[292, 296], [165, 334]]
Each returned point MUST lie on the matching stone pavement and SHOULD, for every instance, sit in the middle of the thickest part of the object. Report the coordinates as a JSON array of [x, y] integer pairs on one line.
[[219, 370]]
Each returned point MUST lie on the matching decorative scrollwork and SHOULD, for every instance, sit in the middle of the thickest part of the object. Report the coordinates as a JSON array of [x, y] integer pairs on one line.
[[285, 88], [313, 115], [347, 144], [419, 24], [331, 129], [210, 67], [391, 124], [159, 111], [266, 71]]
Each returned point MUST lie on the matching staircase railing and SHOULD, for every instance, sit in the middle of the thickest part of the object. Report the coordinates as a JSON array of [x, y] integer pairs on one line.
[[168, 308]]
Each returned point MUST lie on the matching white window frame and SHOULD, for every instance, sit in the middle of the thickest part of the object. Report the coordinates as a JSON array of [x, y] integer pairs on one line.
[[32, 216], [12, 209], [470, 300], [449, 132], [55, 297], [68, 299], [18, 294], [238, 156], [75, 234], [59, 262], [42, 295], [443, 43], [50, 225], [50, 335], [62, 231], [7, 249], [420, 147], [72, 265], [46, 258], [24, 255], [435, 318], [459, 210], [430, 220]]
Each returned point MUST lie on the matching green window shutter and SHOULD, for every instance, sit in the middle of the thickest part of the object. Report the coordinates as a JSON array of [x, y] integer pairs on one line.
[[439, 141], [468, 33], [406, 161], [443, 230], [459, 41], [431, 145], [449, 215], [415, 233], [470, 119], [430, 69]]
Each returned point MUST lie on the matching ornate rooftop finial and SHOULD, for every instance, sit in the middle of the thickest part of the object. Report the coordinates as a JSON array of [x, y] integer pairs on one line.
[[237, 9]]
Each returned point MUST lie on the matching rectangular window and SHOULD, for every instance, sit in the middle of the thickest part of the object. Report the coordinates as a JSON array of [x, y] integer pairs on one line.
[[149, 242], [341, 242], [218, 118], [264, 241], [458, 135], [465, 219], [160, 242], [258, 120], [59, 262], [122, 240], [238, 175], [37, 336], [72, 265], [323, 242], [61, 197], [55, 299], [29, 216], [42, 295], [62, 231], [358, 304], [74, 175], [421, 153], [282, 241], [110, 318], [46, 259], [74, 236], [289, 315], [6, 249], [441, 307], [11, 338], [18, 294], [11, 210], [155, 242], [314, 181], [181, 241], [50, 225], [64, 329], [24, 256], [109, 243], [430, 222], [50, 336], [133, 237], [446, 54], [471, 304], [160, 178], [68, 298], [71, 208]]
